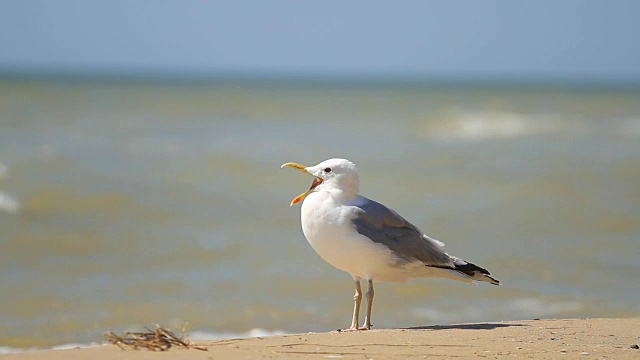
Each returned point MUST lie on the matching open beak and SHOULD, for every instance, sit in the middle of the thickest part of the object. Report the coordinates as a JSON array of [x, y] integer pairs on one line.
[[316, 181]]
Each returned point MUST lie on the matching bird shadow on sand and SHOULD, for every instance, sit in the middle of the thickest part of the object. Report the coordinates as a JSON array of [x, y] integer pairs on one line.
[[479, 326]]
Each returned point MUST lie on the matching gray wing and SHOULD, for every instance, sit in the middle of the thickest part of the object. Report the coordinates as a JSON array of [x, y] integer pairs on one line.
[[385, 226]]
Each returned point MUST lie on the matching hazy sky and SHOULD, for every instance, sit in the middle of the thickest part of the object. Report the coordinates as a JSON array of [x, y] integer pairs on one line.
[[569, 39]]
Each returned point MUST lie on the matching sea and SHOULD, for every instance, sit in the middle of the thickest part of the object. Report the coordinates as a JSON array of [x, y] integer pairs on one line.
[[126, 204]]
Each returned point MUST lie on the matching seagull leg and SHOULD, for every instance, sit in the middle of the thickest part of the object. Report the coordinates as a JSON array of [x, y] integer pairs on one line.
[[367, 320], [356, 306]]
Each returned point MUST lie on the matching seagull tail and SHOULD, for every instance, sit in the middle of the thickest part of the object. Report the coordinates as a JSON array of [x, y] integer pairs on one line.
[[475, 272]]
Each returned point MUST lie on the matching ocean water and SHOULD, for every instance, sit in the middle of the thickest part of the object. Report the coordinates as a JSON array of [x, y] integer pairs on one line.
[[125, 204]]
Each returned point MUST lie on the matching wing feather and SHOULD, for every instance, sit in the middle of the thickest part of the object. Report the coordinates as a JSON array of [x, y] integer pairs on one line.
[[385, 226]]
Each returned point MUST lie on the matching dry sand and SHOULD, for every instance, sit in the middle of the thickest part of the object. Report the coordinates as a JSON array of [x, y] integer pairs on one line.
[[531, 339]]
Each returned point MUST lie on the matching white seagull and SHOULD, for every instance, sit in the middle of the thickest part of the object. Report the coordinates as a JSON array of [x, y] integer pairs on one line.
[[367, 239]]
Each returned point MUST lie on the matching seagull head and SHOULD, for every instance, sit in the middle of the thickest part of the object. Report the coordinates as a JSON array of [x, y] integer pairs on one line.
[[332, 174]]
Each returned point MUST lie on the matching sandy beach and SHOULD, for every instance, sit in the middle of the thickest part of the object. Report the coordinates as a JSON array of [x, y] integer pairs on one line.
[[531, 339]]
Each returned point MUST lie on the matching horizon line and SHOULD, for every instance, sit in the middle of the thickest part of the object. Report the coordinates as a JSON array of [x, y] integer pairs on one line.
[[313, 78]]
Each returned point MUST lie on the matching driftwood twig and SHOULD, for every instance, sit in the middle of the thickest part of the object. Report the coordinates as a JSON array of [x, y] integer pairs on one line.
[[156, 340]]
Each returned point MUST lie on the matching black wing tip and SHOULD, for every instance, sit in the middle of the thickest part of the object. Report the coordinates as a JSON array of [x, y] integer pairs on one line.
[[476, 272], [470, 268], [473, 271], [493, 281]]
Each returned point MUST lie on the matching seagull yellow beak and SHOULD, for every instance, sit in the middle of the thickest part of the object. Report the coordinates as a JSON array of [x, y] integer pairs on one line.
[[317, 181]]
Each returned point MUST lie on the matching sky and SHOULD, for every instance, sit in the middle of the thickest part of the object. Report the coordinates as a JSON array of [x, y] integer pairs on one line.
[[577, 40]]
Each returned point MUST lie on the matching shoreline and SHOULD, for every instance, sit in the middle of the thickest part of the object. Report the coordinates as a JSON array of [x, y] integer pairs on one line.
[[538, 339]]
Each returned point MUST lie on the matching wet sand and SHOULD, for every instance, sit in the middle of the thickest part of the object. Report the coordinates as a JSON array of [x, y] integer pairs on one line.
[[536, 339]]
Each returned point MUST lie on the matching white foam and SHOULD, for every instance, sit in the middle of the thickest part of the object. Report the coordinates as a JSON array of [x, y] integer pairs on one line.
[[630, 128], [11, 350], [435, 315], [539, 307], [73, 346], [516, 308], [8, 203], [257, 332], [194, 335], [484, 125]]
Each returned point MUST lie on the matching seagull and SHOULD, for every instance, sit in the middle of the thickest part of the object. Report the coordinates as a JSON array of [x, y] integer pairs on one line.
[[369, 240]]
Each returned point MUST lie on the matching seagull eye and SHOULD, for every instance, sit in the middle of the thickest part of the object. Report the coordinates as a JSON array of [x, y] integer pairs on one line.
[[327, 170]]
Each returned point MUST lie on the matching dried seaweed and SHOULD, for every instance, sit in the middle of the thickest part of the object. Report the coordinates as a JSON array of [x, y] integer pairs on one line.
[[155, 340]]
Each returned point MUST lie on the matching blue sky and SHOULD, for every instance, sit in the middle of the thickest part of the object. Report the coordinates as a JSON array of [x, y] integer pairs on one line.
[[581, 40]]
